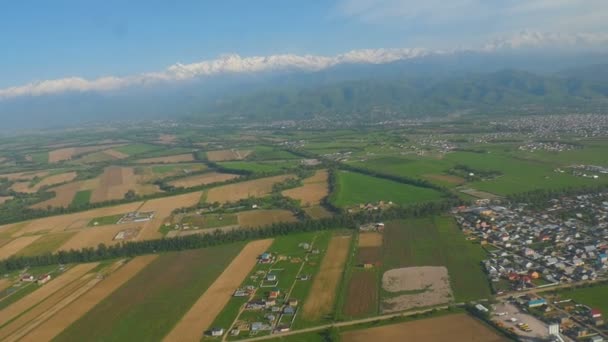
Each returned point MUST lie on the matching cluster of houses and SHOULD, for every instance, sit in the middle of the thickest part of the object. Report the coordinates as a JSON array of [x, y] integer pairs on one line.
[[564, 242], [553, 146], [43, 279]]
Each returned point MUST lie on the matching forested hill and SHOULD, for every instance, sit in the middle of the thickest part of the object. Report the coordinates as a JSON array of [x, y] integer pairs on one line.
[[504, 91]]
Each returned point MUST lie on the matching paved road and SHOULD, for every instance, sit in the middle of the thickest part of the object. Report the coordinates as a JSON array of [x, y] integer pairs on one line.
[[550, 288], [343, 324]]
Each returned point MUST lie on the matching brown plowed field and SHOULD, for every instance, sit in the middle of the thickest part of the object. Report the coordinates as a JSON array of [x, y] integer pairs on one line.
[[315, 188], [44, 291], [320, 301], [362, 294], [259, 218], [225, 155], [459, 327], [447, 179], [47, 181], [68, 221], [205, 178], [116, 154], [178, 158], [162, 208], [68, 153], [253, 188], [93, 236], [24, 175], [64, 194], [116, 181], [72, 312], [370, 239], [210, 304]]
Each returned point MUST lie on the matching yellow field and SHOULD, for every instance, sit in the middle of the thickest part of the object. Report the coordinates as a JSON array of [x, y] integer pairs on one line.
[[178, 158], [459, 327], [322, 296], [72, 312], [32, 299], [225, 155], [253, 188], [24, 187], [205, 178], [312, 192], [68, 153]]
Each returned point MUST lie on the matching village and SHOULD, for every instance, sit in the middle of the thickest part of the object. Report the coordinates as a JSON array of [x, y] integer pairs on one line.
[[537, 255]]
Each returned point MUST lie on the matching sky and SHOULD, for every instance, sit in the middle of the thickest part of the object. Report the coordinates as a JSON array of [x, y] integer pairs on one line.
[[49, 40]]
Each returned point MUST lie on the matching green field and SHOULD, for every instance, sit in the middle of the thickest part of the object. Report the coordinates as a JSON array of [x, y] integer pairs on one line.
[[82, 197], [518, 175], [437, 241], [46, 243], [134, 149], [40, 157], [356, 188], [105, 220], [420, 168], [149, 305], [593, 296], [260, 167], [269, 153], [164, 152]]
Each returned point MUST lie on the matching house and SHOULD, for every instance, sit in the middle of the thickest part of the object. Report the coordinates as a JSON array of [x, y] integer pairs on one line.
[[289, 310], [240, 293], [265, 258], [274, 294], [595, 313], [283, 328], [596, 338], [217, 332], [271, 277], [43, 279], [292, 302], [28, 278]]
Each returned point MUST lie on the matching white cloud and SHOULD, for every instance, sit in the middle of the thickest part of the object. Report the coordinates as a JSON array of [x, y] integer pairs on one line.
[[225, 64], [236, 64]]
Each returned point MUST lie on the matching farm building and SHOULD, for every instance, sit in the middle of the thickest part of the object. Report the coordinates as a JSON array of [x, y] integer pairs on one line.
[[265, 258], [217, 332], [43, 279], [595, 313], [28, 278]]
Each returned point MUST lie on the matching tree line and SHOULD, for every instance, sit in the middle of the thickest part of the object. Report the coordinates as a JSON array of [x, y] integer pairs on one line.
[[135, 248]]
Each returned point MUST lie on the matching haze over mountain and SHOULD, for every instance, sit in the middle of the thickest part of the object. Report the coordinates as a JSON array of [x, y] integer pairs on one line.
[[75, 63]]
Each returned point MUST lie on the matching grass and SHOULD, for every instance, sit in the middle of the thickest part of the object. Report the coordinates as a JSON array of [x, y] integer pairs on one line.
[[593, 296], [105, 220], [134, 149], [165, 152], [356, 188], [7, 298], [149, 305], [269, 153], [40, 157], [437, 241], [46, 244], [82, 197], [518, 175], [260, 167]]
